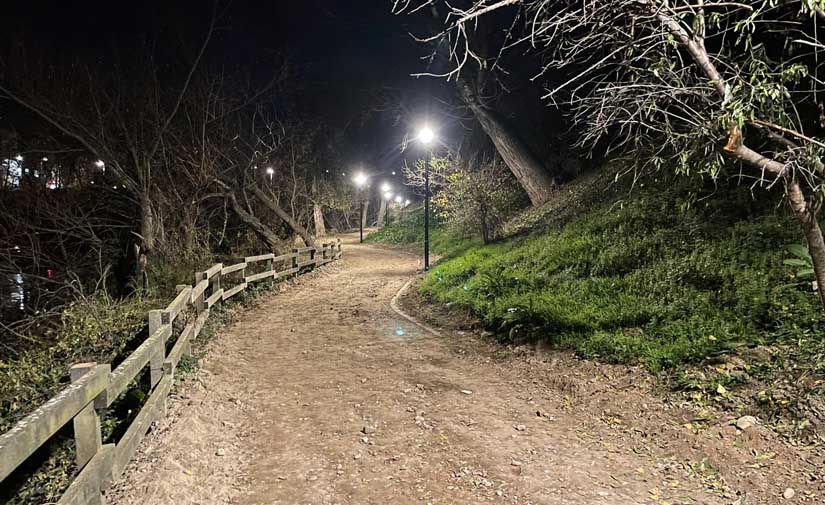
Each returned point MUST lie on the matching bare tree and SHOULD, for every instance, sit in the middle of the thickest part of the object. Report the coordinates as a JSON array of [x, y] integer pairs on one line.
[[475, 73], [689, 84], [120, 113]]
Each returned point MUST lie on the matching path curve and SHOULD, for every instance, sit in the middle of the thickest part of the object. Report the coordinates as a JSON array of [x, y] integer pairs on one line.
[[316, 397]]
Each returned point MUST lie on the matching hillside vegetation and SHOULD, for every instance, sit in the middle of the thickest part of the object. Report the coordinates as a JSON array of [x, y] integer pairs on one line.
[[656, 274]]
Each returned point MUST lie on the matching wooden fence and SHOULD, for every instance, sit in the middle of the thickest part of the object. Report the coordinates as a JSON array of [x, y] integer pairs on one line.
[[95, 387]]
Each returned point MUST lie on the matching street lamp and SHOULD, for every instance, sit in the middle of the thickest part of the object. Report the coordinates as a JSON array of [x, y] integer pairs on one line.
[[270, 171], [360, 180], [426, 137]]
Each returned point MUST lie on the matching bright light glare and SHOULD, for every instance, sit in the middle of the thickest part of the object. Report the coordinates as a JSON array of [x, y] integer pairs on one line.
[[270, 170], [100, 164], [387, 195], [398, 199], [406, 202], [360, 179], [45, 158], [426, 135], [18, 158], [386, 187]]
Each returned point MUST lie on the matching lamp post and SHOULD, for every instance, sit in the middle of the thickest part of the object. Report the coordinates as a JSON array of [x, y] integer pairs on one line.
[[426, 136], [360, 180]]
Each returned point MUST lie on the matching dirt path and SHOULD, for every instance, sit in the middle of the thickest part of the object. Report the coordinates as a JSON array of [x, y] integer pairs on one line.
[[324, 395]]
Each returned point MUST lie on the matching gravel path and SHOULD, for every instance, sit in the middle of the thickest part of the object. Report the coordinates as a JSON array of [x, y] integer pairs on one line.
[[324, 395]]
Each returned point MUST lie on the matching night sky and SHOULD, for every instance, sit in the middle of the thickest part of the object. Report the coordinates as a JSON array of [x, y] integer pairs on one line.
[[346, 55]]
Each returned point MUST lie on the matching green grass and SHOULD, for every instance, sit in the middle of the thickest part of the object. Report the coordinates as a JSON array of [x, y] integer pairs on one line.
[[652, 276], [410, 232]]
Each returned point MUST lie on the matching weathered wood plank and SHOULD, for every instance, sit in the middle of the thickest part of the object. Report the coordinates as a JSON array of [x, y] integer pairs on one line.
[[181, 348], [260, 276], [151, 410], [214, 270], [234, 291], [284, 257], [199, 322], [215, 298], [301, 250], [262, 257], [199, 289], [34, 430], [233, 268], [288, 272], [180, 302], [306, 263], [126, 372], [85, 489]]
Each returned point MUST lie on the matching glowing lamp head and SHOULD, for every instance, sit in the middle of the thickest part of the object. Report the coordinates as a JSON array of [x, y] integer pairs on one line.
[[406, 202], [360, 179], [426, 135], [45, 158], [398, 199], [100, 164], [18, 158], [386, 187], [387, 195], [270, 170]]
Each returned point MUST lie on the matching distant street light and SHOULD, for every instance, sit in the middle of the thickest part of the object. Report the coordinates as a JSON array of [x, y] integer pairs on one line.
[[360, 180], [426, 136], [406, 202], [18, 158], [270, 171], [398, 199], [45, 158], [388, 198], [386, 187]]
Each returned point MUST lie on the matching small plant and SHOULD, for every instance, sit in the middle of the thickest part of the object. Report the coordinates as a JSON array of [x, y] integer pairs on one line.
[[801, 262]]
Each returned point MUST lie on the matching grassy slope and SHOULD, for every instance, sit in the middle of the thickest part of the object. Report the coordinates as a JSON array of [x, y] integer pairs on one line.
[[654, 275]]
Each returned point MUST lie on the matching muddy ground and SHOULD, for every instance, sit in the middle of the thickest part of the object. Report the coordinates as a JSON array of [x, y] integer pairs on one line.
[[325, 394]]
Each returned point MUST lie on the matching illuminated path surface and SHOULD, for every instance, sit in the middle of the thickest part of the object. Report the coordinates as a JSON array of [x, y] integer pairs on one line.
[[312, 398]]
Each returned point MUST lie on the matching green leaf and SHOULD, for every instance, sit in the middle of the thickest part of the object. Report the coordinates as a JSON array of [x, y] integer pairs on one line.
[[807, 272], [799, 251], [793, 262]]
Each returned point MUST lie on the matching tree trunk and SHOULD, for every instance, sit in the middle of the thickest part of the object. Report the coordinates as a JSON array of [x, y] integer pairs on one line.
[[318, 219], [281, 213], [802, 210], [382, 212], [269, 237], [529, 171], [365, 212], [813, 234], [148, 234]]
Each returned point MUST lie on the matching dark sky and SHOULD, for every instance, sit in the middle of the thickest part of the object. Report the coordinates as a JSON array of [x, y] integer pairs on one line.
[[344, 53]]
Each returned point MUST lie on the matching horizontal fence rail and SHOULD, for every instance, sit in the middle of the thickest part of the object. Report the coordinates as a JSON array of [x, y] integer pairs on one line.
[[95, 387]]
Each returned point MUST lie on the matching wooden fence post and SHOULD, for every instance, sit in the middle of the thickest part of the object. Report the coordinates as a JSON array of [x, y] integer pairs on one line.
[[156, 320], [295, 259], [187, 350], [200, 301], [87, 437]]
